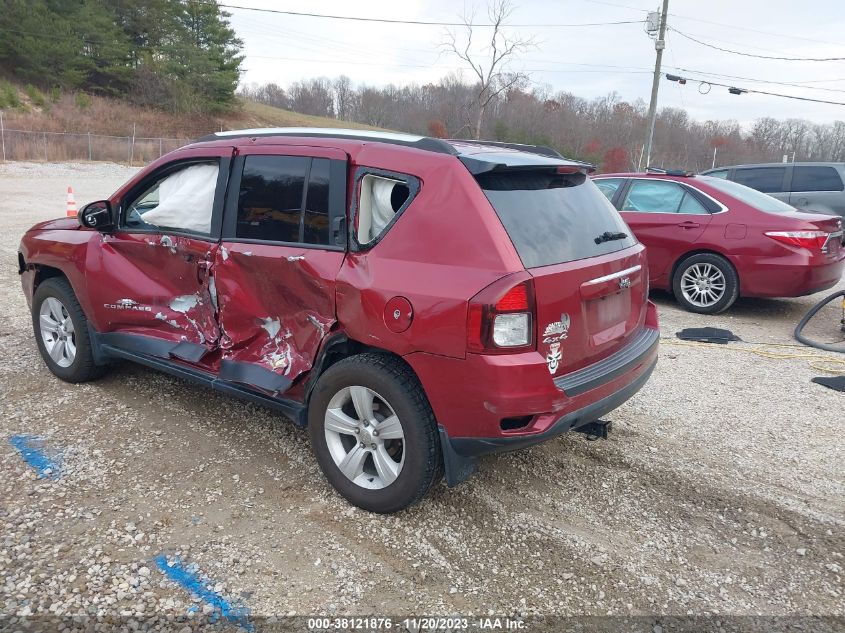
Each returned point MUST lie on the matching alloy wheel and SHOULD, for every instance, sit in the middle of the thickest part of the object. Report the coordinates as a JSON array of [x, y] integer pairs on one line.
[[364, 437], [57, 332], [703, 285]]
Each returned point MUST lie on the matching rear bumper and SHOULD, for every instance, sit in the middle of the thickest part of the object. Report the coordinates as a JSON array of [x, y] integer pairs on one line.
[[786, 277], [460, 453], [470, 405]]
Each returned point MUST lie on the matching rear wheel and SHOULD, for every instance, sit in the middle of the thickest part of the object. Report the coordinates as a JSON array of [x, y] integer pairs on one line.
[[705, 283], [61, 331], [373, 433]]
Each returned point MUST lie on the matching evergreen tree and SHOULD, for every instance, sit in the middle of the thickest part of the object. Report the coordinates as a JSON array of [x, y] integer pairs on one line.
[[173, 54]]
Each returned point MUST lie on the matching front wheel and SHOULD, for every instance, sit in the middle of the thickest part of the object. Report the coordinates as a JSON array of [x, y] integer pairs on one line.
[[61, 331], [705, 283], [373, 433]]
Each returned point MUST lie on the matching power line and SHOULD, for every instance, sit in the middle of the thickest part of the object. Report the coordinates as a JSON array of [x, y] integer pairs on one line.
[[399, 65], [416, 22], [761, 81], [750, 30], [789, 59], [761, 92], [722, 24]]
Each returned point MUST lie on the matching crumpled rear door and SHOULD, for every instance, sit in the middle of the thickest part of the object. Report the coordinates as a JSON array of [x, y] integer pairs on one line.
[[275, 271]]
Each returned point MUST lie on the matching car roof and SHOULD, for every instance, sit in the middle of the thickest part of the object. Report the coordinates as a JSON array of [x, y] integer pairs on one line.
[[643, 174], [799, 164], [478, 156]]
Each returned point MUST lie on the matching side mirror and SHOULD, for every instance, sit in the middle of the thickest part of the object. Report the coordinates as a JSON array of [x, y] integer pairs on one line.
[[97, 216]]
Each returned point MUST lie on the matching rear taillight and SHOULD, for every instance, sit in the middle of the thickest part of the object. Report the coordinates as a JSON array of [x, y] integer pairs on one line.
[[811, 240], [501, 318]]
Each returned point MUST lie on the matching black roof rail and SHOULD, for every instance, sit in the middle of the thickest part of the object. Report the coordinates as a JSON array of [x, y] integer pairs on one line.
[[408, 140], [668, 172]]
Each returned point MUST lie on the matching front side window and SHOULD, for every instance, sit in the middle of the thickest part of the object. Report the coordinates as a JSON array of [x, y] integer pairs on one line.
[[660, 196], [765, 179], [182, 200], [722, 173], [284, 199], [815, 179]]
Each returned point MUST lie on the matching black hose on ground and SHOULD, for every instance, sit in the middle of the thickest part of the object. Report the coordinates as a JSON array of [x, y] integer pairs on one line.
[[806, 318]]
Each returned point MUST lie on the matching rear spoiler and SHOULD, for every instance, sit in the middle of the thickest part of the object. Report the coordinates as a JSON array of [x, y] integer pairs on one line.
[[478, 164]]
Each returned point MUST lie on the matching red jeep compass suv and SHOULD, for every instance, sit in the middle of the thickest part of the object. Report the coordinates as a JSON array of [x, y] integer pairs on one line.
[[416, 303]]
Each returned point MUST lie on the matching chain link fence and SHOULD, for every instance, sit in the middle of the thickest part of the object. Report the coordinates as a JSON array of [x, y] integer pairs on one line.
[[62, 146]]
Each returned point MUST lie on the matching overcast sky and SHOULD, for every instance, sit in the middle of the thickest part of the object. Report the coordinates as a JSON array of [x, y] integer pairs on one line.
[[586, 61]]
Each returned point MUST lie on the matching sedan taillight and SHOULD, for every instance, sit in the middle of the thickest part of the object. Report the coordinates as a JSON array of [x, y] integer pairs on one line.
[[811, 240]]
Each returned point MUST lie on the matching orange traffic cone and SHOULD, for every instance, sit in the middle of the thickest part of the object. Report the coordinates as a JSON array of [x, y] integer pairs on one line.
[[71, 203]]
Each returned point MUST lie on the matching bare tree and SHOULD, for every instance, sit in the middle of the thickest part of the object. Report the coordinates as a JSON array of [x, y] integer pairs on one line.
[[490, 66]]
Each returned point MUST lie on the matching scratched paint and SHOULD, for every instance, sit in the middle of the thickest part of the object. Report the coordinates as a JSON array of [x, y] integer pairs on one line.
[[189, 578], [212, 291], [31, 449], [272, 326], [167, 242], [162, 317]]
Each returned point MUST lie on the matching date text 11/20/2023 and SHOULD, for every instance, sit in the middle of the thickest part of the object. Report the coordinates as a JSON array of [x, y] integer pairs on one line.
[[416, 624]]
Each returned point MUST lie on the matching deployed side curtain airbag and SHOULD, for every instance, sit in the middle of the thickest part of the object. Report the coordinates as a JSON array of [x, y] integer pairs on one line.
[[382, 208], [380, 199], [186, 199]]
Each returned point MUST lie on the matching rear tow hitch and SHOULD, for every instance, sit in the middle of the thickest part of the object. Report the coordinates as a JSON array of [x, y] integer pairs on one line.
[[599, 429]]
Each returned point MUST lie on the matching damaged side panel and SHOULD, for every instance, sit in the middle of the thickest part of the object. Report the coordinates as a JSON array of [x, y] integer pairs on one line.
[[156, 285], [276, 304]]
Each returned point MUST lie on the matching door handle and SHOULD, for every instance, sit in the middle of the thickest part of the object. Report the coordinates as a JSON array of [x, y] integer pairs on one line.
[[689, 224]]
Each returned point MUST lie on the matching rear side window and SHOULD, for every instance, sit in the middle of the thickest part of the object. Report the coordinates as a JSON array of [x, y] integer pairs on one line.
[[553, 218], [284, 199], [816, 179], [380, 199], [765, 179]]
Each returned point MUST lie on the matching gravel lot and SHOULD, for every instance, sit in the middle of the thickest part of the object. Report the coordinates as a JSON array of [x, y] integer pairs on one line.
[[721, 490]]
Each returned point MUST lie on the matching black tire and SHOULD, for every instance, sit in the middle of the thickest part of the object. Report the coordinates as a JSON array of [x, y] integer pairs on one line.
[[731, 291], [391, 379], [83, 368]]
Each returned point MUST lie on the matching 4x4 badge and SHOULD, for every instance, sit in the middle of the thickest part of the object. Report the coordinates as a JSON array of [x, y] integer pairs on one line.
[[556, 331], [625, 282]]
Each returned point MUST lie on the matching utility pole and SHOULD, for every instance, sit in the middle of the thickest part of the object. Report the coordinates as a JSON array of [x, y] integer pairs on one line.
[[659, 45], [3, 135]]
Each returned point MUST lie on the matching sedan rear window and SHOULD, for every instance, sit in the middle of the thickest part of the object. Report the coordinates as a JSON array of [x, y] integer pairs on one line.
[[749, 196], [553, 218]]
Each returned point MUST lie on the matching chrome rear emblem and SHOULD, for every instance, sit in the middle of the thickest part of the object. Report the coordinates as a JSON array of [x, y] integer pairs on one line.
[[625, 282]]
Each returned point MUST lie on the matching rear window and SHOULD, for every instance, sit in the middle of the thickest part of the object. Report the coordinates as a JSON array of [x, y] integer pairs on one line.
[[765, 179], [749, 196], [815, 179], [553, 218]]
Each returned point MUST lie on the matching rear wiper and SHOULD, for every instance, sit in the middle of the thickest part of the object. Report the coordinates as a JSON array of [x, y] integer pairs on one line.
[[608, 236]]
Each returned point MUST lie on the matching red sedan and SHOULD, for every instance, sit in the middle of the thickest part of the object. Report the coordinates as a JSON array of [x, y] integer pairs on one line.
[[710, 240]]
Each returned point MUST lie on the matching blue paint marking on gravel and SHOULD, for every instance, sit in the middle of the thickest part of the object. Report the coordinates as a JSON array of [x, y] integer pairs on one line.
[[188, 578], [27, 446]]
